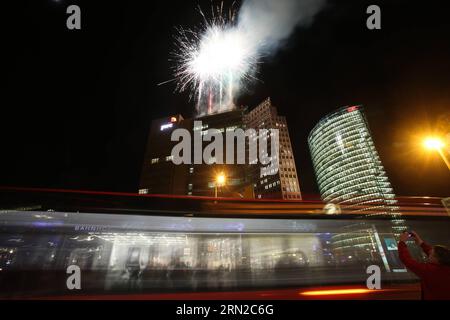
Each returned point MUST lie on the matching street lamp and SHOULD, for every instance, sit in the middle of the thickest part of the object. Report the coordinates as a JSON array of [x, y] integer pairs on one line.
[[220, 181], [434, 143]]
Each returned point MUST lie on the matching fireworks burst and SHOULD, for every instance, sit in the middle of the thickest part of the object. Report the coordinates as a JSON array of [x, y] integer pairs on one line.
[[213, 62]]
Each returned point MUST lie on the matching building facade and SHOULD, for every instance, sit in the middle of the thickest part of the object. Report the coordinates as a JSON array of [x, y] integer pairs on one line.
[[348, 169], [350, 174], [202, 177], [284, 184], [161, 176]]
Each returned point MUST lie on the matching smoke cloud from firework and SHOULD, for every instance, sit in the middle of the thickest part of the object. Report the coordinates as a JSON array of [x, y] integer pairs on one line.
[[219, 59], [267, 24]]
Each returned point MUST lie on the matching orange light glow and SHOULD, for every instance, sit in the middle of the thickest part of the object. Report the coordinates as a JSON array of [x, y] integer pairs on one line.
[[335, 292], [433, 143], [220, 179]]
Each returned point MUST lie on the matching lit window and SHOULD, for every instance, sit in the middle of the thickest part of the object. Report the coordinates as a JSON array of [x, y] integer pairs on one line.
[[155, 160], [143, 191], [169, 158], [166, 126]]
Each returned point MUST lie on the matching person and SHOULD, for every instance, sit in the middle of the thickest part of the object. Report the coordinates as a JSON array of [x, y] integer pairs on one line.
[[434, 274]]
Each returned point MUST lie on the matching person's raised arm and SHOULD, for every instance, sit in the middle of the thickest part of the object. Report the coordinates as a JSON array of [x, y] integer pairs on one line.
[[414, 266], [425, 247]]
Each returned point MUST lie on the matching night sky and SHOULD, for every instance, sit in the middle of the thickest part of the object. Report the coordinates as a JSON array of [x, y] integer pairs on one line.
[[77, 105]]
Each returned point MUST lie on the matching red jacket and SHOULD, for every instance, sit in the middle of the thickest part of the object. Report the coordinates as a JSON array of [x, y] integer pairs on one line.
[[435, 278]]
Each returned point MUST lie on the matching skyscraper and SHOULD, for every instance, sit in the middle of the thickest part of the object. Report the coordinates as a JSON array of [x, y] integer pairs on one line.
[[160, 175], [348, 169], [349, 173], [202, 177], [284, 184]]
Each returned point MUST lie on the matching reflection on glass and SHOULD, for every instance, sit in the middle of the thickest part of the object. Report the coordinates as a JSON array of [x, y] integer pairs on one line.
[[34, 263]]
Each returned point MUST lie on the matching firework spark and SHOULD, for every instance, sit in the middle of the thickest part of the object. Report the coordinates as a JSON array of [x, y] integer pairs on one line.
[[213, 62]]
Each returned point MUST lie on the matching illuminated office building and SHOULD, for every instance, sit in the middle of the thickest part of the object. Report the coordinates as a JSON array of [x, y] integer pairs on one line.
[[350, 174], [161, 176], [283, 184], [348, 169], [202, 177]]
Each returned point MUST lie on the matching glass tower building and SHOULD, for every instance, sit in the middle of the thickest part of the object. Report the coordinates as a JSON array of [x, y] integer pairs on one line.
[[349, 174], [347, 166]]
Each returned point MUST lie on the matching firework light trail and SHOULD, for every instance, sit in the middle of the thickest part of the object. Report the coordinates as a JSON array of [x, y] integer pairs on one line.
[[213, 62]]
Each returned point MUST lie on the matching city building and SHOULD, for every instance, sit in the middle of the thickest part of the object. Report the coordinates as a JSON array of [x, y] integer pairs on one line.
[[161, 176], [202, 178], [348, 169], [350, 174], [284, 184]]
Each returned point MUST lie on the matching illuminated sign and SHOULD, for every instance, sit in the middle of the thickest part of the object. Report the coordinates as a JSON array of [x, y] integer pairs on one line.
[[166, 126]]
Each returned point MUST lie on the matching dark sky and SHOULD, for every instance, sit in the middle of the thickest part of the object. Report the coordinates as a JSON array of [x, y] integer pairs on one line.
[[77, 105]]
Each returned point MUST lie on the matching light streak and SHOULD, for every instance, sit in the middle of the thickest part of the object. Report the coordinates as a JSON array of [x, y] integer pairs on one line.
[[336, 292]]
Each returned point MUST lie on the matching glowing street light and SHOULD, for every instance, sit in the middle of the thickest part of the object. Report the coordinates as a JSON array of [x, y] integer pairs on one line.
[[220, 181], [434, 143]]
